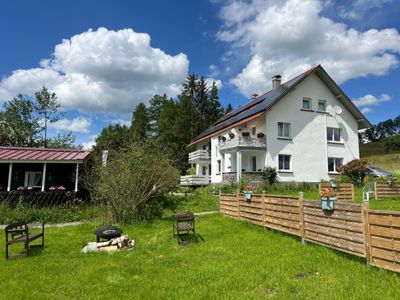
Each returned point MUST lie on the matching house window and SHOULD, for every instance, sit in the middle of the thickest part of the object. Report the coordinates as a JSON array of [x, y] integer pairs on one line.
[[254, 163], [209, 170], [284, 130], [219, 165], [333, 134], [33, 179], [334, 163], [307, 103], [204, 170], [284, 162], [253, 130], [321, 105], [204, 147]]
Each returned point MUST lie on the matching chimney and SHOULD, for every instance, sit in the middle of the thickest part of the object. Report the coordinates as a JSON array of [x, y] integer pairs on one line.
[[254, 96], [276, 81]]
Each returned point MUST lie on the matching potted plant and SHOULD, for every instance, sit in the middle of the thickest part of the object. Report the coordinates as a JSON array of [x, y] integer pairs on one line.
[[231, 135], [328, 198], [223, 138], [248, 191], [245, 134], [260, 135]]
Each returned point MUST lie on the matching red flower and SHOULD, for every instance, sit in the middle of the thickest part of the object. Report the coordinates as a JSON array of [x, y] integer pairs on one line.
[[248, 188]]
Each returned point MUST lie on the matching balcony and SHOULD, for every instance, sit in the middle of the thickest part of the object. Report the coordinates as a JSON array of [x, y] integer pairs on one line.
[[199, 156], [243, 143], [195, 180]]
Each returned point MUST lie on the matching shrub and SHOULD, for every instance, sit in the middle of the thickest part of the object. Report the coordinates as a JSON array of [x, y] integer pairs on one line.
[[244, 181], [392, 143], [133, 183], [269, 174], [191, 171], [355, 170]]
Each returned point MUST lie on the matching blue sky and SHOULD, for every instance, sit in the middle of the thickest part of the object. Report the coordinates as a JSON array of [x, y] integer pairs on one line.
[[103, 57]]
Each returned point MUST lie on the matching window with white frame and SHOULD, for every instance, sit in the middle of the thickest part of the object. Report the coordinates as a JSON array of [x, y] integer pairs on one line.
[[284, 130], [219, 166], [333, 134], [33, 179], [254, 163], [284, 162], [334, 164], [307, 103], [321, 105]]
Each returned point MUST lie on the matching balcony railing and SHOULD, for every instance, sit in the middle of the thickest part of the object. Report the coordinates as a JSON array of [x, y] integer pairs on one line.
[[240, 142], [199, 156], [195, 180]]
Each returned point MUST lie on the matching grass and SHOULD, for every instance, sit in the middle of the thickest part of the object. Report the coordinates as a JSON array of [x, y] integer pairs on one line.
[[236, 260], [375, 152], [194, 202]]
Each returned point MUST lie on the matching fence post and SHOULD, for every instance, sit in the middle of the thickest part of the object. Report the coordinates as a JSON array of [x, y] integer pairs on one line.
[[302, 230], [353, 198], [367, 236], [376, 190], [263, 208], [238, 204]]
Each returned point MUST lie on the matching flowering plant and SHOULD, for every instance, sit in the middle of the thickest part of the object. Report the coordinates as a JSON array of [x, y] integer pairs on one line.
[[328, 193], [61, 188], [52, 188], [20, 188], [248, 188]]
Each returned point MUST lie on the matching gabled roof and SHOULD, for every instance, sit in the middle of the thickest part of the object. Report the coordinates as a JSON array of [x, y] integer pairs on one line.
[[42, 154], [264, 102]]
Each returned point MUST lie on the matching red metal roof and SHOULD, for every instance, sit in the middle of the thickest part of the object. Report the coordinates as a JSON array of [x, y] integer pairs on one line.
[[41, 154]]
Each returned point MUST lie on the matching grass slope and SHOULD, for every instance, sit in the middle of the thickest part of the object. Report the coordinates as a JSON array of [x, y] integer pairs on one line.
[[375, 152], [236, 260]]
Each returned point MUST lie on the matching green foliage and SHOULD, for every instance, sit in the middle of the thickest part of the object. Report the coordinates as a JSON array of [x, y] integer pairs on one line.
[[382, 130], [140, 125], [269, 175], [132, 184], [191, 171], [49, 215], [112, 138], [355, 170], [245, 180], [392, 144]]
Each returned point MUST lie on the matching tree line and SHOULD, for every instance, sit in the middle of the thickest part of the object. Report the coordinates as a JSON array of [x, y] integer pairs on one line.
[[172, 123], [24, 122], [382, 130]]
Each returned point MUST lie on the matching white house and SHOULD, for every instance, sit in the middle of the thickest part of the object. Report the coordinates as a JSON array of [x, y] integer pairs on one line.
[[305, 128]]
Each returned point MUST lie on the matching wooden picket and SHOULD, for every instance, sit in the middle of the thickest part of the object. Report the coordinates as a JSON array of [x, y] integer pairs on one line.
[[344, 192], [350, 228], [385, 190]]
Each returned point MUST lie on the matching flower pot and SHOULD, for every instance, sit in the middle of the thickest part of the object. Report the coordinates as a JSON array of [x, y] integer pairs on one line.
[[231, 135], [328, 203], [248, 195], [334, 184], [260, 135], [223, 139]]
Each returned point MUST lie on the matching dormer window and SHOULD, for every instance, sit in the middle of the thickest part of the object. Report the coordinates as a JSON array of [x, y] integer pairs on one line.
[[307, 103]]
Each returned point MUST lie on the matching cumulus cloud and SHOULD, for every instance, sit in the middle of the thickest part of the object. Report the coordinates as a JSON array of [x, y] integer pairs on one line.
[[79, 124], [102, 70], [369, 100], [288, 37], [366, 110], [357, 9]]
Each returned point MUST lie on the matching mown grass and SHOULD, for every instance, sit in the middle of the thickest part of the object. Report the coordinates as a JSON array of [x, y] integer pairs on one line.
[[235, 260], [192, 202]]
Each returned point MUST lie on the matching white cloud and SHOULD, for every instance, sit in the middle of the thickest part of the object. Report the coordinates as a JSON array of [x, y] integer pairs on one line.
[[369, 100], [214, 71], [218, 83], [102, 70], [78, 124], [359, 8], [366, 110], [288, 37]]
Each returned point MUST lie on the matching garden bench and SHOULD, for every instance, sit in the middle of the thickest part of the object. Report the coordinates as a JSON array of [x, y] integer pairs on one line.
[[183, 222], [19, 233]]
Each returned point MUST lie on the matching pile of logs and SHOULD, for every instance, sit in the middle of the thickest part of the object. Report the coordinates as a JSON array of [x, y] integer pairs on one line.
[[119, 243]]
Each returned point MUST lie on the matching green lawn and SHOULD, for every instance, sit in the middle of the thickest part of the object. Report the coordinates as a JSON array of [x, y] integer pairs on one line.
[[235, 260]]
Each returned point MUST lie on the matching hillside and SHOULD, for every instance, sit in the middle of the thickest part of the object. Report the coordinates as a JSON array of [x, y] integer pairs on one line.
[[375, 152]]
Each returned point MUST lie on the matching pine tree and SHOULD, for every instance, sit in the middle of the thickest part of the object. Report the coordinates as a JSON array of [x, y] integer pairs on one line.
[[140, 124], [215, 109], [228, 108]]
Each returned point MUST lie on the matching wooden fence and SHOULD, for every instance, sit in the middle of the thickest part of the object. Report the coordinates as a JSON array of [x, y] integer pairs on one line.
[[385, 190], [351, 228], [345, 191]]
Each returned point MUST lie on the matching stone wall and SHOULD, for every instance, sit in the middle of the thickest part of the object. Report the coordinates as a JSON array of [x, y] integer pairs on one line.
[[230, 177]]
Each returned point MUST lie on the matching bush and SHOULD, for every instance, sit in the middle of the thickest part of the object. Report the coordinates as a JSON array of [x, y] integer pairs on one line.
[[269, 175], [191, 171], [392, 143], [133, 183], [355, 170]]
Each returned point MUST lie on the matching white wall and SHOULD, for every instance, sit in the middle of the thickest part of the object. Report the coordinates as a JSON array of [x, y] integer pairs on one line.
[[308, 147]]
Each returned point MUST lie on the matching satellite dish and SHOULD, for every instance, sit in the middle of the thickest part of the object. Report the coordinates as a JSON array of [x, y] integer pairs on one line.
[[338, 110]]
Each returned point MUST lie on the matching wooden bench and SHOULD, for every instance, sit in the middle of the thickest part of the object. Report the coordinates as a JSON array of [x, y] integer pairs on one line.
[[183, 222], [19, 233]]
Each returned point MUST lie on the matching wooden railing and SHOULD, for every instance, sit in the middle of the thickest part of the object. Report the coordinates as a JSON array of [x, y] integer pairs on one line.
[[385, 190], [350, 228]]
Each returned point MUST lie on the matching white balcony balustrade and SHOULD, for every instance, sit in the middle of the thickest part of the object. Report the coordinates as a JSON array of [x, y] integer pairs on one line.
[[199, 156], [243, 143], [195, 180]]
